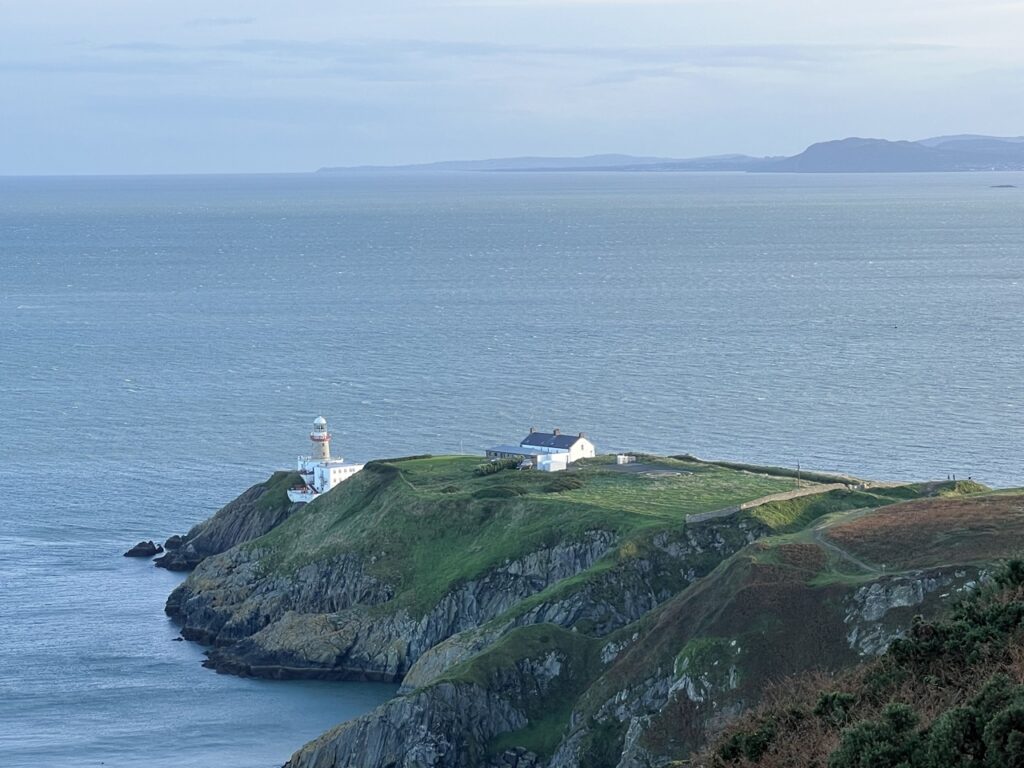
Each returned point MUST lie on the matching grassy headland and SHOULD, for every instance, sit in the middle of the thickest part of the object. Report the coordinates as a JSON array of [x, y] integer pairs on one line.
[[668, 592], [431, 522]]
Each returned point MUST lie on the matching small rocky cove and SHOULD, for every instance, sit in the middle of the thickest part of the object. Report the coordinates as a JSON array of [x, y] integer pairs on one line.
[[594, 645]]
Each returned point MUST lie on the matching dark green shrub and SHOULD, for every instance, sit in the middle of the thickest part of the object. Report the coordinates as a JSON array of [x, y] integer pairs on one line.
[[999, 692], [497, 465], [1004, 738], [564, 483], [381, 468], [751, 745], [892, 742], [834, 707], [954, 740]]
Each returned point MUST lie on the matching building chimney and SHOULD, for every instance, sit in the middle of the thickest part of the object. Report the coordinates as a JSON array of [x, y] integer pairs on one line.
[[557, 431], [582, 434], [532, 430]]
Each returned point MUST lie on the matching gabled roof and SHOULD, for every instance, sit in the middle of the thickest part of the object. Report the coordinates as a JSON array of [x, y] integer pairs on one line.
[[549, 440]]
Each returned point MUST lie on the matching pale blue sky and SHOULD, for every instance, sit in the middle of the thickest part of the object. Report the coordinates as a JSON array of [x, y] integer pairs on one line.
[[129, 86]]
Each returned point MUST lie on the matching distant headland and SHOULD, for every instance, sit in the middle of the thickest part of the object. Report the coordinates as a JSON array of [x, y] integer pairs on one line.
[[963, 152]]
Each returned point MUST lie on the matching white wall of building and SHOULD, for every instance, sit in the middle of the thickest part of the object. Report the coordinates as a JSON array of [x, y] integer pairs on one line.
[[582, 449], [553, 462]]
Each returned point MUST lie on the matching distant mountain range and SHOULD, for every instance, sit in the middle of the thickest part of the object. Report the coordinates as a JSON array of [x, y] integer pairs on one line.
[[965, 152]]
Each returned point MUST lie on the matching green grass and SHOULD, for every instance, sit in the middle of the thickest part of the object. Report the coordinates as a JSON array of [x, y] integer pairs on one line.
[[963, 488], [431, 523], [534, 641], [706, 656], [276, 494], [542, 736], [697, 488], [796, 514], [1004, 492], [767, 469]]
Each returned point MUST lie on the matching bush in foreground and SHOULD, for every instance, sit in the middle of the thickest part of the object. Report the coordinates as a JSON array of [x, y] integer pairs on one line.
[[948, 695]]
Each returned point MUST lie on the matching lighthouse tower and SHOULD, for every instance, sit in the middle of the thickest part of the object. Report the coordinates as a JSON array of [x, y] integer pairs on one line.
[[319, 472], [321, 440]]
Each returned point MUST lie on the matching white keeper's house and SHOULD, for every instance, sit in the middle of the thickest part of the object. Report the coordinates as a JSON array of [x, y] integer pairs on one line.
[[546, 451], [320, 472]]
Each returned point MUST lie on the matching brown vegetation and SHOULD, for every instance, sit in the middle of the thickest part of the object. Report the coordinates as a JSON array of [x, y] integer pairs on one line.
[[801, 721], [806, 557], [930, 532]]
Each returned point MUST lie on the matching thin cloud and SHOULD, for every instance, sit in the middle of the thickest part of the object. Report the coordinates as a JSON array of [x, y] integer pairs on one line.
[[416, 60], [697, 55], [105, 66], [626, 76], [221, 21]]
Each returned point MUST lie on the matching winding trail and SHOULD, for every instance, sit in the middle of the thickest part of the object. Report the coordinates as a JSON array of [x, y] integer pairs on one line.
[[818, 533]]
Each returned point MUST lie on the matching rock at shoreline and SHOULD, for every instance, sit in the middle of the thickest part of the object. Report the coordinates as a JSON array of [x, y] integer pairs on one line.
[[144, 549], [258, 510], [175, 561]]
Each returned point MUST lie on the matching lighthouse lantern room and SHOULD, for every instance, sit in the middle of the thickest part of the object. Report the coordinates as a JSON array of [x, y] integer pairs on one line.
[[319, 471]]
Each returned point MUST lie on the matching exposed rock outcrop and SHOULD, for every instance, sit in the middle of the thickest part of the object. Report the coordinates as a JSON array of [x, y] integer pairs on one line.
[[608, 600], [446, 726], [261, 508], [873, 612], [327, 620], [144, 549], [451, 723]]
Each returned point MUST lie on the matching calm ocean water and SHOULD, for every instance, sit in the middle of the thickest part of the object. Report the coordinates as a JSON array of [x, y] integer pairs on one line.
[[166, 341]]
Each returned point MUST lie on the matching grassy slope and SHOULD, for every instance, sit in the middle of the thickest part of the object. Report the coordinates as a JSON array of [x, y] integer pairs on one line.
[[431, 523], [949, 694], [548, 719], [276, 495], [923, 534], [797, 514], [781, 599]]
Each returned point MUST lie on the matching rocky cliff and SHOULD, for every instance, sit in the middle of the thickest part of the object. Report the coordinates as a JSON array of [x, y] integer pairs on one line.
[[582, 623]]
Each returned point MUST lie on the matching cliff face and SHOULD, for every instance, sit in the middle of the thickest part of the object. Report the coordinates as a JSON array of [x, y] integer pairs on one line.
[[447, 725], [582, 624], [260, 509], [604, 601], [321, 621], [662, 706]]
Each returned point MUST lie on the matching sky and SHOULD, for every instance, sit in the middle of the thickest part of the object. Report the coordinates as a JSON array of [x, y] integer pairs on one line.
[[137, 86]]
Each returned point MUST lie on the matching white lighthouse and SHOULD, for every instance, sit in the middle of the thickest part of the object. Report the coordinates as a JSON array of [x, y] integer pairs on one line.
[[320, 472]]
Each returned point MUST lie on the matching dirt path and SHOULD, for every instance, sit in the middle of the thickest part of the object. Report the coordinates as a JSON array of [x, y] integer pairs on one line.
[[819, 537]]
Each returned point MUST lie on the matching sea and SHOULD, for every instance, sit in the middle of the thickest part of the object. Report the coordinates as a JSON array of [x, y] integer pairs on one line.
[[165, 342]]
